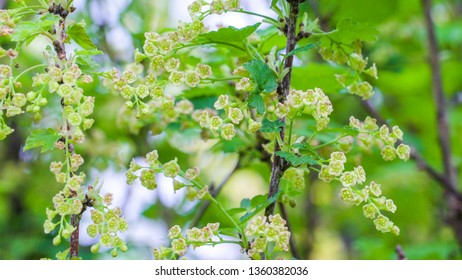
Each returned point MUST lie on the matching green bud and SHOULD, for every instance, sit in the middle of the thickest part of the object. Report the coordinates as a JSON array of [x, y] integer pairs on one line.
[[123, 225], [95, 248], [148, 179], [357, 62], [114, 252], [57, 240]]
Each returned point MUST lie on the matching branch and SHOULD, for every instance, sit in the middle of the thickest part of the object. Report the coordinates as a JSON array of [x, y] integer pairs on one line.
[[60, 47], [279, 165], [438, 95], [400, 253]]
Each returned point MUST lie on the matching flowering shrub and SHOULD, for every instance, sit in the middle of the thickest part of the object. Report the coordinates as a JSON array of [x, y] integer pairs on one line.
[[255, 106]]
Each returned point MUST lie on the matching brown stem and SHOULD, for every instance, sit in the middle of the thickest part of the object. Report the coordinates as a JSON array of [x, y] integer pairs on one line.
[[454, 204], [400, 253], [74, 242], [438, 95], [279, 165], [60, 47]]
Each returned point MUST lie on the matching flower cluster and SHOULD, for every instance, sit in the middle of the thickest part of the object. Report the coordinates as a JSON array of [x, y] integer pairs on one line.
[[179, 242], [292, 184], [148, 95], [357, 63], [107, 223], [267, 235], [72, 200], [314, 102], [10, 101], [386, 139], [76, 107], [171, 169], [7, 23], [351, 193], [196, 8]]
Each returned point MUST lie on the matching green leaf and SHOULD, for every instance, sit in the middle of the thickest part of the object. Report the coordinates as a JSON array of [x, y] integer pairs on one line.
[[269, 126], [238, 210], [90, 52], [26, 31], [271, 37], [256, 101], [349, 31], [63, 255], [232, 146], [85, 62], [229, 232], [245, 203], [77, 32], [258, 200], [265, 78], [289, 189], [321, 75], [301, 49], [250, 215], [296, 160], [46, 138], [347, 130], [230, 34], [298, 146]]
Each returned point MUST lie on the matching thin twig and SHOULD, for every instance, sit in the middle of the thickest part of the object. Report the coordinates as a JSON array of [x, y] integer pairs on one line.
[[438, 95], [293, 246], [454, 217], [400, 255], [60, 47]]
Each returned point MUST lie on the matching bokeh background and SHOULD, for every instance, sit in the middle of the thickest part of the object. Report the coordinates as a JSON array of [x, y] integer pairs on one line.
[[323, 226]]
